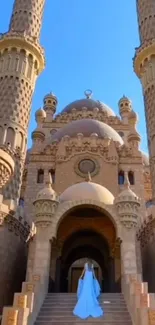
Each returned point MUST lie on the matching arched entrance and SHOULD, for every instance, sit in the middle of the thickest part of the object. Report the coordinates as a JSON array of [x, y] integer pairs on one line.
[[85, 232]]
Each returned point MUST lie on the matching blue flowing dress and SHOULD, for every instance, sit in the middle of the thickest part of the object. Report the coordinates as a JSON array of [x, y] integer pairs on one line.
[[88, 291]]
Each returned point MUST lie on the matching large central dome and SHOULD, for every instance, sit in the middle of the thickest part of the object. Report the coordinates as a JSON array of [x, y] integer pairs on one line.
[[87, 127], [87, 190], [90, 104]]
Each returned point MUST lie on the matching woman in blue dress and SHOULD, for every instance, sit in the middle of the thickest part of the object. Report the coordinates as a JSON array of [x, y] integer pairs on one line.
[[88, 291]]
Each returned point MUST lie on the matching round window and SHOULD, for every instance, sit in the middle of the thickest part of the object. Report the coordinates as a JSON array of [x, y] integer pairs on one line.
[[87, 166]]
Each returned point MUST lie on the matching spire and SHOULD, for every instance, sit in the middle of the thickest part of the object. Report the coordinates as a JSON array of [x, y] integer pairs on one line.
[[88, 178], [49, 180], [126, 181], [88, 93]]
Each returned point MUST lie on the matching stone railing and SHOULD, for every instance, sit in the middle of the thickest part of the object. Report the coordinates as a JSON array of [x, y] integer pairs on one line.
[[140, 303], [26, 304]]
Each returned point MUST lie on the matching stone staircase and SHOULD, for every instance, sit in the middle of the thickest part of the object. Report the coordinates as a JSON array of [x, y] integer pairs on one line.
[[57, 310]]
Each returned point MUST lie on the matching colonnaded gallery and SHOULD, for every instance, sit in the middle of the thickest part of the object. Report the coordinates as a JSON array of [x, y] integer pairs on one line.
[[83, 190]]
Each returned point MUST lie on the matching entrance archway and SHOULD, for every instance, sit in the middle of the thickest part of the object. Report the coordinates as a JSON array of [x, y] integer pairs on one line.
[[85, 232]]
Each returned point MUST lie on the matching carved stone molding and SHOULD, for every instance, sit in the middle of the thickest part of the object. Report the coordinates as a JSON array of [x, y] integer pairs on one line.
[[146, 233], [18, 226]]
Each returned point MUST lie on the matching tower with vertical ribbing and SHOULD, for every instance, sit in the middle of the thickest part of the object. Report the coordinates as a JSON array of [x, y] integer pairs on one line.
[[21, 61], [144, 65]]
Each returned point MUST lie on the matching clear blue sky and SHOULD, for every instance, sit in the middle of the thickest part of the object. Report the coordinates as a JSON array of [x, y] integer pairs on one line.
[[89, 44]]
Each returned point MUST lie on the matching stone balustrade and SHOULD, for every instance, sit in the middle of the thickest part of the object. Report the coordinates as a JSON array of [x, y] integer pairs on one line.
[[140, 303], [26, 304]]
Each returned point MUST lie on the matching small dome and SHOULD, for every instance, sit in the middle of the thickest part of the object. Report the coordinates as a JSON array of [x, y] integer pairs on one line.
[[87, 190], [47, 193], [38, 133], [127, 195], [40, 115], [50, 101], [134, 136], [90, 104], [133, 116], [125, 105], [87, 127]]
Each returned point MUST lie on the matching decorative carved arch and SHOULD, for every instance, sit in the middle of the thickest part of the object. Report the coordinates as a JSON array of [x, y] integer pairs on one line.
[[69, 206]]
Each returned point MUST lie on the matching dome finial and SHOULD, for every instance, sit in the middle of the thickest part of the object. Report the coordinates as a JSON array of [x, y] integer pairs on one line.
[[88, 178], [126, 181], [88, 93], [49, 180]]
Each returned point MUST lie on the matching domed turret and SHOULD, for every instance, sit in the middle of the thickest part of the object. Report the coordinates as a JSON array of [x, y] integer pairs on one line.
[[40, 116], [128, 204], [133, 118], [38, 135], [45, 204], [134, 139], [125, 107], [50, 105]]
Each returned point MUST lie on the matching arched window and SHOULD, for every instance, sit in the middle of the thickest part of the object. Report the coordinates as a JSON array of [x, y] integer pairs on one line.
[[21, 202], [10, 137], [131, 178], [52, 173], [40, 176], [121, 177]]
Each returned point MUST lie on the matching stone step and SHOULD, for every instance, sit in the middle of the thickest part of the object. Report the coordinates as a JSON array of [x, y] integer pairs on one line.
[[74, 295], [107, 316], [84, 322], [53, 313], [57, 309], [69, 300], [72, 303]]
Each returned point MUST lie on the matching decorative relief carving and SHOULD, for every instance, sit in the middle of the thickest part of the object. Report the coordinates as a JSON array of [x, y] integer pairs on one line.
[[146, 233], [12, 317], [18, 226], [36, 277], [151, 316], [22, 301], [30, 287]]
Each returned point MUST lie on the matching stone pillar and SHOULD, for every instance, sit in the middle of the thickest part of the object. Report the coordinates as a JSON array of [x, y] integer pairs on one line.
[[128, 251], [144, 66], [128, 207], [45, 206]]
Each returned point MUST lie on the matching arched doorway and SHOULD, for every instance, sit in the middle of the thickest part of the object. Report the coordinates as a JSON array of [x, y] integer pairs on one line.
[[85, 232]]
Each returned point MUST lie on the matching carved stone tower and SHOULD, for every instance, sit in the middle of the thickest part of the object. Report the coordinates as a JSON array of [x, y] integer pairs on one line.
[[21, 61], [144, 65]]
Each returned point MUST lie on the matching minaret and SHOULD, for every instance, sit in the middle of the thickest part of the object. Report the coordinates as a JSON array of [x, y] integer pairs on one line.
[[21, 61], [144, 65]]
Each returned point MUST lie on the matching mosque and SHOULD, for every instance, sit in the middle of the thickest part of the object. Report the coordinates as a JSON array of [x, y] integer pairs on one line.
[[83, 190]]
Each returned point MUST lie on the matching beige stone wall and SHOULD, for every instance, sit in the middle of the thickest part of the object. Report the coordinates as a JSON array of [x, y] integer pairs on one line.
[[13, 255], [66, 175]]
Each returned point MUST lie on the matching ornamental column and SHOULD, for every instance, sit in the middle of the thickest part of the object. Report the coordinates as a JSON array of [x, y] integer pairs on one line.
[[45, 207], [128, 205], [144, 66], [21, 62]]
